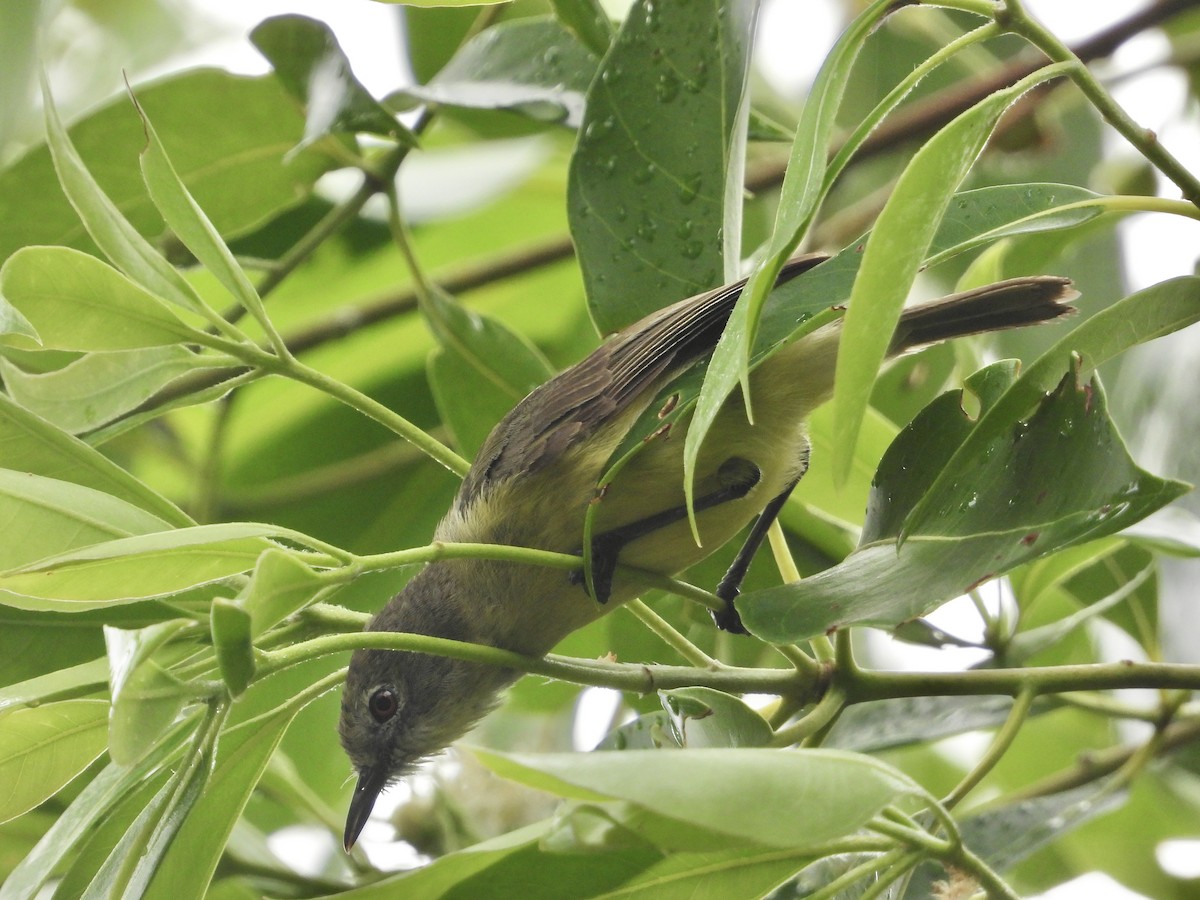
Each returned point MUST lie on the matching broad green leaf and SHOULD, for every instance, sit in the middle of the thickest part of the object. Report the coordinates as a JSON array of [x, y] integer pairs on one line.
[[190, 223], [280, 585], [231, 642], [899, 242], [97, 799], [481, 370], [648, 177], [44, 747], [1057, 477], [128, 250], [241, 756], [45, 517], [702, 717], [99, 387], [76, 302], [128, 569], [63, 684], [30, 444], [228, 136], [708, 788], [1153, 312], [312, 66], [531, 66]]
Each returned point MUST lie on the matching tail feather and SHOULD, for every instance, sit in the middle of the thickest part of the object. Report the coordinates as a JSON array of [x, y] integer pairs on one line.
[[1005, 304]]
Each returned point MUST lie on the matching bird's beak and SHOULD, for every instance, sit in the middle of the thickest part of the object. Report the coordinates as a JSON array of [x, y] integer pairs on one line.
[[370, 783]]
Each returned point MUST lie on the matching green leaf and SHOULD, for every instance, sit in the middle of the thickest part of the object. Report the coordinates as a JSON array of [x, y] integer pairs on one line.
[[280, 585], [587, 20], [1153, 312], [146, 698], [112, 232], [231, 641], [30, 444], [1011, 832], [43, 748], [702, 717], [227, 134], [530, 66], [242, 754], [885, 724], [45, 517], [128, 569], [62, 684], [76, 302], [898, 244], [190, 223], [312, 66], [481, 370], [79, 819], [799, 197], [740, 872], [708, 788], [648, 178], [140, 851], [1059, 477], [99, 387]]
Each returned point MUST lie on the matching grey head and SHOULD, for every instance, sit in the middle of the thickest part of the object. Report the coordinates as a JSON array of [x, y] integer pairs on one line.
[[399, 707]]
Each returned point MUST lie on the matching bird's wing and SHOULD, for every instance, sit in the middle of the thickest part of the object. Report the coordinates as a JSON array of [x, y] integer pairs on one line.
[[575, 404]]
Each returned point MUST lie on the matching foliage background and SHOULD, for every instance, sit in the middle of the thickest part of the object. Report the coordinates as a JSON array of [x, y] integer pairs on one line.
[[263, 158]]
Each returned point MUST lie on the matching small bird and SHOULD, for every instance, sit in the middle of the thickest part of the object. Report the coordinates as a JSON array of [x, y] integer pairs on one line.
[[536, 475]]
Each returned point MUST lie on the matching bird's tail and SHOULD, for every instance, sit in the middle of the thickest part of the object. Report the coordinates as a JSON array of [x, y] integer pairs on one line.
[[1005, 304]]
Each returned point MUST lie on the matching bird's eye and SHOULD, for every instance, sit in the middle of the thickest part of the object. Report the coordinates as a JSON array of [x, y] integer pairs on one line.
[[383, 704]]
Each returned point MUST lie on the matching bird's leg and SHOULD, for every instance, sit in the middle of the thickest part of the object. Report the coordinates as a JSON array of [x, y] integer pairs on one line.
[[738, 477], [727, 618]]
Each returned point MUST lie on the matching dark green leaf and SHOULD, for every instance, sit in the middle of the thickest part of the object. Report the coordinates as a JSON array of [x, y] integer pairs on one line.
[[1059, 477], [648, 178]]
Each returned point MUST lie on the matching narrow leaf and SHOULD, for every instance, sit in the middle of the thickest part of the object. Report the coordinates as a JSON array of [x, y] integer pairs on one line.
[[108, 227], [897, 246], [30, 444]]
